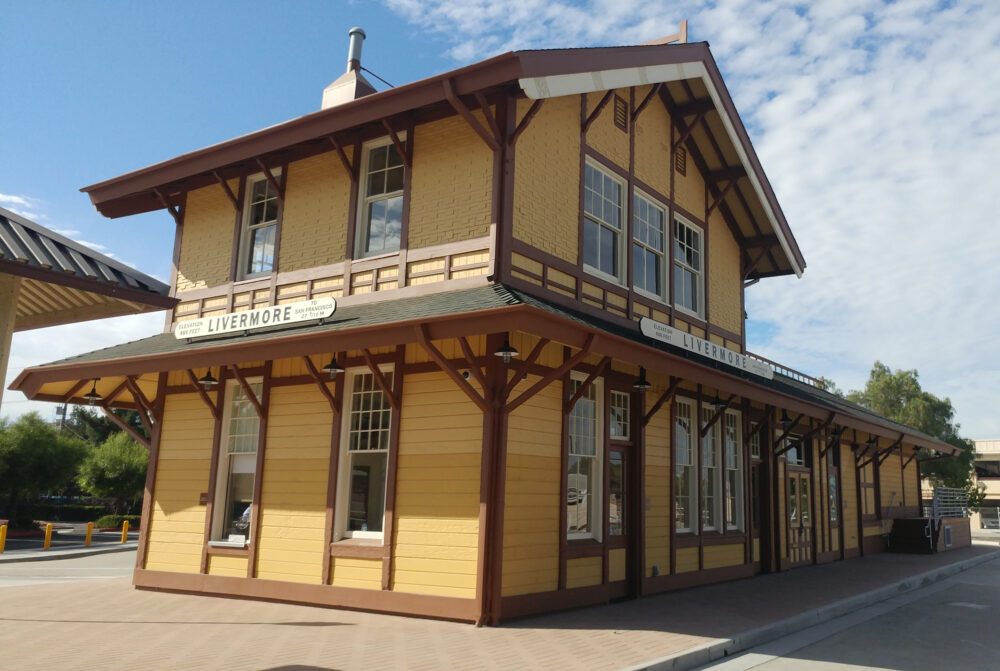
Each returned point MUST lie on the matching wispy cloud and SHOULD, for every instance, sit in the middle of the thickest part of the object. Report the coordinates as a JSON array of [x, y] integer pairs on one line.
[[23, 205], [876, 123]]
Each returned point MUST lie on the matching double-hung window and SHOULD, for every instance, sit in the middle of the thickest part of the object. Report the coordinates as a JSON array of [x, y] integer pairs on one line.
[[734, 472], [583, 479], [260, 229], [684, 485], [231, 522], [602, 223], [710, 475], [688, 268], [380, 219], [648, 237], [364, 458]]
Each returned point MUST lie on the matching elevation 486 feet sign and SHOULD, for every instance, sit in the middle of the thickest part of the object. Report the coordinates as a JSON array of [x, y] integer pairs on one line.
[[668, 334], [248, 320]]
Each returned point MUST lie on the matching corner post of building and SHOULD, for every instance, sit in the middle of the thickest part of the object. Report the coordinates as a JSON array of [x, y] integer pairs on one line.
[[9, 288], [159, 404], [495, 463]]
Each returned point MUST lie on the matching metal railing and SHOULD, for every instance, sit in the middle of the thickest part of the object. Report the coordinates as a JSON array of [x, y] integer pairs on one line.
[[947, 502], [817, 382]]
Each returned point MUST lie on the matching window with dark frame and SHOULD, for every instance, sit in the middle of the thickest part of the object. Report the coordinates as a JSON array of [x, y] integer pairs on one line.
[[380, 221], [602, 222], [648, 237], [260, 225]]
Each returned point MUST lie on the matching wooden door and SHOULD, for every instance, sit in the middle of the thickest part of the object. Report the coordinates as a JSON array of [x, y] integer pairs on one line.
[[621, 522], [800, 522]]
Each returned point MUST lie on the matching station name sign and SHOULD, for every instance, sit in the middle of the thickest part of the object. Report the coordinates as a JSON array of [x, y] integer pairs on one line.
[[668, 334], [249, 320]]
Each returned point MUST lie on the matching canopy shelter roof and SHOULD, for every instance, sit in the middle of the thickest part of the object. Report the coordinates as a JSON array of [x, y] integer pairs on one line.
[[437, 316], [62, 281], [683, 77]]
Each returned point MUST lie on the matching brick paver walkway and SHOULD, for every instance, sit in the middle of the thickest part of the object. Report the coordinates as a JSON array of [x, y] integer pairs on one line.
[[109, 625]]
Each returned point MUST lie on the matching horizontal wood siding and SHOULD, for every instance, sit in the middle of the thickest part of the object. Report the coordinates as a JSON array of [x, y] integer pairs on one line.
[[584, 572], [293, 488], [616, 564], [437, 489], [687, 560], [223, 565], [718, 556], [658, 487], [356, 572], [531, 510], [848, 498], [177, 525]]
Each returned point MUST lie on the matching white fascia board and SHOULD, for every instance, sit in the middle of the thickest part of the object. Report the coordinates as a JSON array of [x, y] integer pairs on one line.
[[588, 82]]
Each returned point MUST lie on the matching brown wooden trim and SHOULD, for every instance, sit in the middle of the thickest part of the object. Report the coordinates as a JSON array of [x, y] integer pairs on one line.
[[234, 259], [525, 121], [645, 101], [563, 474], [397, 603], [226, 551], [389, 518], [213, 469], [406, 152], [873, 544], [463, 111], [212, 407], [598, 369], [576, 549], [523, 605], [524, 366], [394, 399], [352, 170], [597, 111], [135, 435], [225, 189], [471, 360], [320, 384], [423, 337], [349, 548], [149, 489], [553, 375], [719, 412], [109, 399], [492, 489], [665, 583], [331, 480], [262, 406]]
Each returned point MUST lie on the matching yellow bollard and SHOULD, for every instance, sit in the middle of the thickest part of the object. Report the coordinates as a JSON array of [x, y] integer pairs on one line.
[[48, 536], [90, 532], [3, 536], [124, 531]]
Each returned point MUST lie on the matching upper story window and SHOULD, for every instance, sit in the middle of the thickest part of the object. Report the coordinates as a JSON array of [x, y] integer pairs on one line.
[[647, 246], [688, 268], [602, 223], [381, 202], [260, 227]]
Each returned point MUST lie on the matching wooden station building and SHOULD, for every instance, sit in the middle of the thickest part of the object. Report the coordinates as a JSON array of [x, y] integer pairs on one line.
[[533, 392]]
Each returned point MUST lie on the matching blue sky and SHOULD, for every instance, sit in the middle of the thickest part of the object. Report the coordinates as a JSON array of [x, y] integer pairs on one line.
[[874, 121]]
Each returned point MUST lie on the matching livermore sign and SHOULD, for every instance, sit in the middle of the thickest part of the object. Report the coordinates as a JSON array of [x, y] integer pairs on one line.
[[668, 334], [248, 320]]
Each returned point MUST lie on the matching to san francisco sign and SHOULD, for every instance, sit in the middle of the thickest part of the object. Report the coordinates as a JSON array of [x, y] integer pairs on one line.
[[248, 320], [668, 334]]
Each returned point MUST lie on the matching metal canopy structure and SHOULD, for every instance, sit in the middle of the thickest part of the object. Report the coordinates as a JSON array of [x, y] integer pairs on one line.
[[47, 280]]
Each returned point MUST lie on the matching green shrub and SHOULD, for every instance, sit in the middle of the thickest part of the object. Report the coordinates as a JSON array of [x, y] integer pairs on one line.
[[115, 521]]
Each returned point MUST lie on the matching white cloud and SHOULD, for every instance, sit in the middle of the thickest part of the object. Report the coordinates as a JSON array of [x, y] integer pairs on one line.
[[22, 205], [876, 123]]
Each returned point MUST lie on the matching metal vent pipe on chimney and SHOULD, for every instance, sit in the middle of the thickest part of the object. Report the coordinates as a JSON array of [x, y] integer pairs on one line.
[[357, 36]]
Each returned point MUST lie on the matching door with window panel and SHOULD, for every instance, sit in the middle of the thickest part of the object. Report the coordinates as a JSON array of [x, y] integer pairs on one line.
[[800, 522], [621, 493]]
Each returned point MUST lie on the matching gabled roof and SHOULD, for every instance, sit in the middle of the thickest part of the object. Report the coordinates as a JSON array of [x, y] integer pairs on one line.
[[65, 281], [447, 314], [692, 88]]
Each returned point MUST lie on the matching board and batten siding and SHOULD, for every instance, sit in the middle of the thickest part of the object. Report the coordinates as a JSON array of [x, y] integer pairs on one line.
[[531, 506], [437, 489], [177, 523], [293, 485]]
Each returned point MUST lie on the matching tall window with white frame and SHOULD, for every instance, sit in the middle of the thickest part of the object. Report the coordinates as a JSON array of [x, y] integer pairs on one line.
[[684, 485], [380, 220], [602, 223], [260, 226], [734, 472], [648, 236], [710, 476], [583, 478], [688, 268], [237, 467], [364, 458]]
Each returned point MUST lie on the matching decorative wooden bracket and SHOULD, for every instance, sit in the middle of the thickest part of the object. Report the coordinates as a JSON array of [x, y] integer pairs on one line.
[[424, 339], [135, 435], [719, 412], [229, 192], [645, 101], [665, 397], [528, 116], [476, 371], [72, 390], [781, 438], [912, 457], [686, 132], [463, 111], [352, 172], [380, 380], [722, 194], [269, 176], [753, 265], [145, 407], [403, 154], [484, 106], [752, 431], [321, 383], [252, 397], [115, 393], [568, 406], [597, 111], [175, 211], [204, 395], [522, 369], [552, 375]]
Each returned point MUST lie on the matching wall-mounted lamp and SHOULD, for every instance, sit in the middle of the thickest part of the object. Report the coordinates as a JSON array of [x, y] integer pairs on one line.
[[92, 396], [641, 384], [333, 369], [870, 443], [207, 381], [507, 352]]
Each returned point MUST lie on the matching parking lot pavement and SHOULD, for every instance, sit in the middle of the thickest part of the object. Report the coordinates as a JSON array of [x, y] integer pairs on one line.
[[67, 569]]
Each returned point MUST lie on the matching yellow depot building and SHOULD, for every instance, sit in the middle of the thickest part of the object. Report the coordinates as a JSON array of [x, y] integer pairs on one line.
[[474, 348]]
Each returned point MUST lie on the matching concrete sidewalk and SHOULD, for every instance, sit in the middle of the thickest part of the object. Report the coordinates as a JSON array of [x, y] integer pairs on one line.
[[69, 625]]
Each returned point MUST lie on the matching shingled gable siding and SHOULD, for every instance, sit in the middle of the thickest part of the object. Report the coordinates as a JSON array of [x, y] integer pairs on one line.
[[314, 224], [206, 238]]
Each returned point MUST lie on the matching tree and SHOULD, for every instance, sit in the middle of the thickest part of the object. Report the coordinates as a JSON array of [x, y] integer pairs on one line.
[[35, 458], [898, 396], [115, 469], [96, 428]]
